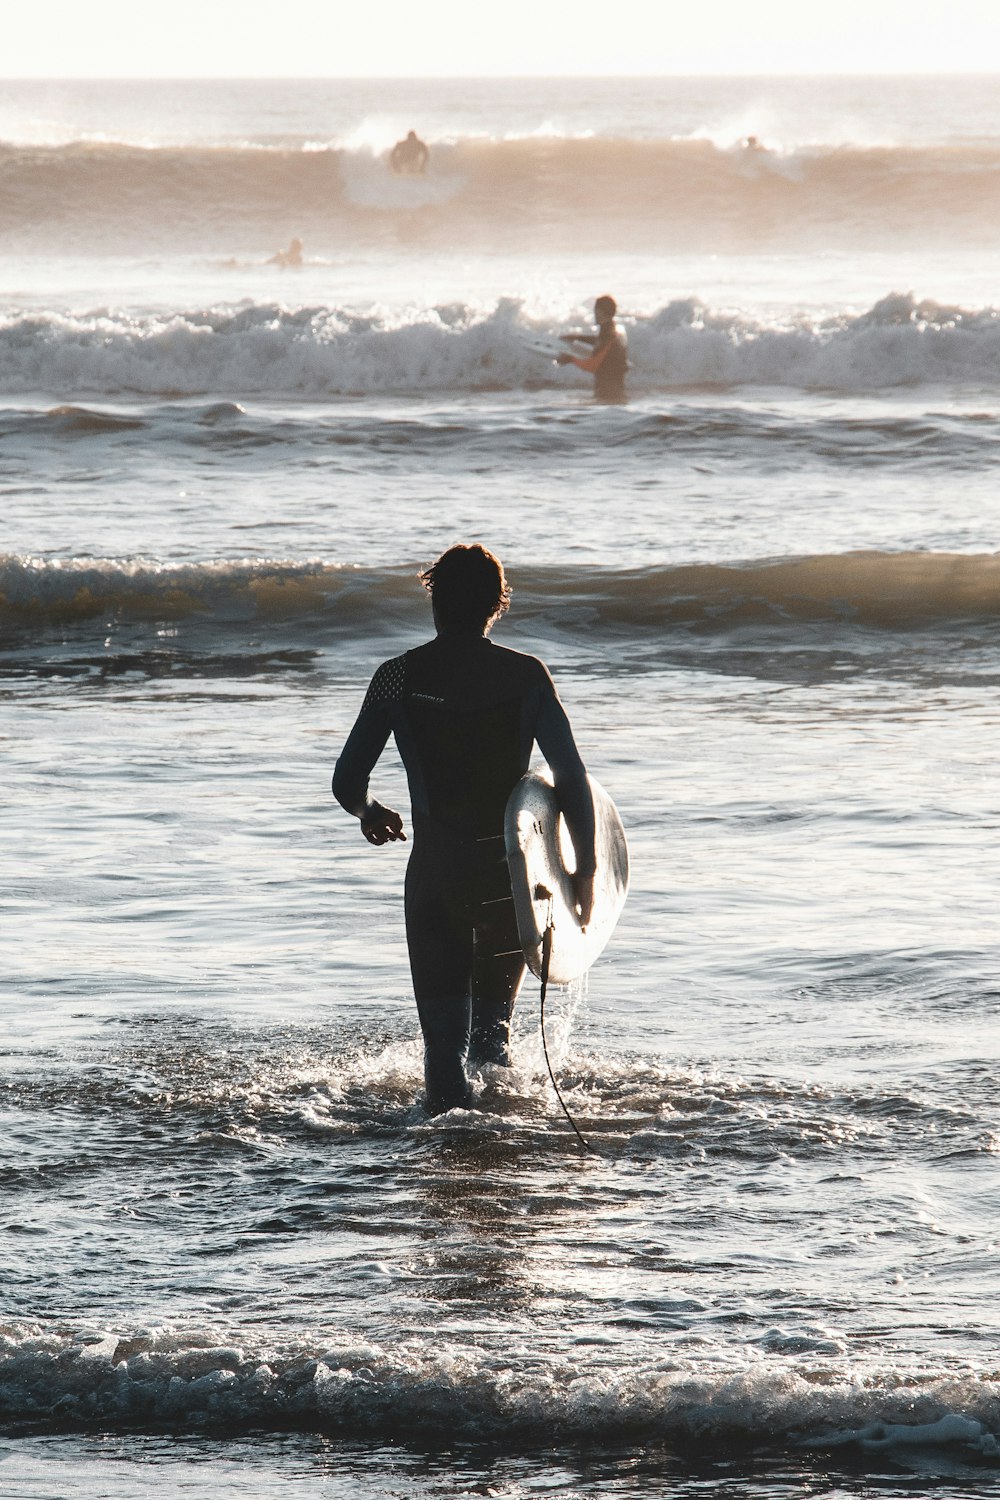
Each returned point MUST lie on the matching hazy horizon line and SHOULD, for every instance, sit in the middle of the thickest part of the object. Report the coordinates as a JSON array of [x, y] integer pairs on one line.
[[772, 75]]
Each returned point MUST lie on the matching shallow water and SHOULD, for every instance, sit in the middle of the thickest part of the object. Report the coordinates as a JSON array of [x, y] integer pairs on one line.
[[236, 1252]]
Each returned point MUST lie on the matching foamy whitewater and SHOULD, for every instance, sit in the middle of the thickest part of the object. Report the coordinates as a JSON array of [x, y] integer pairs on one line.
[[769, 590]]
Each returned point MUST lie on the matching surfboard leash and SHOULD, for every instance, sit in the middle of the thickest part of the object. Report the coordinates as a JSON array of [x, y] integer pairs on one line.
[[550, 927]]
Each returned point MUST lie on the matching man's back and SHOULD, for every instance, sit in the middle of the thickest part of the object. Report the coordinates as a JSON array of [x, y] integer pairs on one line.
[[464, 713], [470, 714]]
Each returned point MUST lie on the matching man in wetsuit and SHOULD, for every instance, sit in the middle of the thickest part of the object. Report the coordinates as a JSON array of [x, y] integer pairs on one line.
[[465, 714], [609, 359], [409, 155]]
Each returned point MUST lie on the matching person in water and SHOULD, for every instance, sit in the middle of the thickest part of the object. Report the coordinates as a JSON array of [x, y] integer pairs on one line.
[[290, 257], [609, 359], [465, 714], [410, 155]]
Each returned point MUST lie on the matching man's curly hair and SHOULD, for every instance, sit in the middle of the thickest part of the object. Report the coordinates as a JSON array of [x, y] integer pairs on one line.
[[468, 587]]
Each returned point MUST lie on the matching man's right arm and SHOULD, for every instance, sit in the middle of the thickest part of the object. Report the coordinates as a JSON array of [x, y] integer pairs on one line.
[[365, 744]]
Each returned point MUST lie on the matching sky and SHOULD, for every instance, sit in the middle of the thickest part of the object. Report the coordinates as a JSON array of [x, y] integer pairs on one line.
[[427, 38]]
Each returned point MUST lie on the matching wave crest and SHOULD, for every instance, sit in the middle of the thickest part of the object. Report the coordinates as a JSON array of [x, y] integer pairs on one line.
[[881, 590], [537, 190]]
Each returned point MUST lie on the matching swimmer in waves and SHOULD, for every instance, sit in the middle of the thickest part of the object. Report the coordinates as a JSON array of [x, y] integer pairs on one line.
[[290, 257], [609, 358]]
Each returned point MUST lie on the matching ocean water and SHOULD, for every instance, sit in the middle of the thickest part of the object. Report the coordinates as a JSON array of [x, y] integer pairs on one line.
[[236, 1256]]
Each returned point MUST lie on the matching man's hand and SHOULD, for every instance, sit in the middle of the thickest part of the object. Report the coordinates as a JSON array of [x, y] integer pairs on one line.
[[380, 825], [583, 887]]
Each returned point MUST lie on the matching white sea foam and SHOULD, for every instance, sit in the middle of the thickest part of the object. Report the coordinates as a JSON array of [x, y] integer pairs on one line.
[[383, 1389], [277, 350]]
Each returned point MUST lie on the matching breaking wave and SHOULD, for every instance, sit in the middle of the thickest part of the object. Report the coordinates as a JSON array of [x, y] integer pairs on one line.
[[530, 193], [881, 590], [275, 350], [412, 1390]]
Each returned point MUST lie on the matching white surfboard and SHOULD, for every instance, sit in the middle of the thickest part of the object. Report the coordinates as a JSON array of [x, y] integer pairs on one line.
[[545, 345], [541, 860]]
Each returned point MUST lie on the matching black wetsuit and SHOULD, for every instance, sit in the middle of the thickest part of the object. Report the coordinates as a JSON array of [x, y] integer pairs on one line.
[[465, 714]]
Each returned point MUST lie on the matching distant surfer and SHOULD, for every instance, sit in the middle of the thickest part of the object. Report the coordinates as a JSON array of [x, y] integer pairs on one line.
[[290, 257], [609, 359], [409, 155], [465, 714]]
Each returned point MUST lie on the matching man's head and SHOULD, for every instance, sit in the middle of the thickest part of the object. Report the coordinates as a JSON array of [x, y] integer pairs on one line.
[[468, 589], [605, 309]]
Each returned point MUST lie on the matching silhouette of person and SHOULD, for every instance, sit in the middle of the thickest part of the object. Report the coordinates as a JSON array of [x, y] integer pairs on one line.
[[410, 155], [609, 359], [465, 714], [290, 257]]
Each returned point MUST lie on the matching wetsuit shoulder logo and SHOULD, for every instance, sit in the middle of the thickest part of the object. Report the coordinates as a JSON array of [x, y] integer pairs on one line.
[[426, 698], [387, 684]]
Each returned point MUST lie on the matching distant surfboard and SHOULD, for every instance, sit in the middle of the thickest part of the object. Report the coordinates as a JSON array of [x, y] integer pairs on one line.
[[540, 857], [545, 345]]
